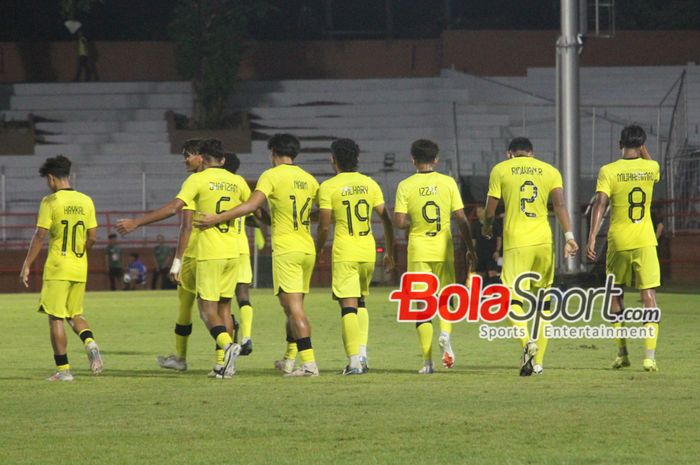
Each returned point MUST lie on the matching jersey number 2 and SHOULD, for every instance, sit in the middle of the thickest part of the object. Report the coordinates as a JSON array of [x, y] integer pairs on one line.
[[525, 200]]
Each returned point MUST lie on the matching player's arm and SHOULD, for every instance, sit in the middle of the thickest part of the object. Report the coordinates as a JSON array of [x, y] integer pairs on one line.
[[599, 206], [256, 200], [401, 220], [489, 216], [32, 253], [262, 217], [466, 233], [183, 238], [91, 239], [659, 230], [644, 152], [383, 213], [127, 225], [571, 246], [325, 217]]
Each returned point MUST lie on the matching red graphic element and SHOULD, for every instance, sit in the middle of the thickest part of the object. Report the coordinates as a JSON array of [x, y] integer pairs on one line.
[[490, 304]]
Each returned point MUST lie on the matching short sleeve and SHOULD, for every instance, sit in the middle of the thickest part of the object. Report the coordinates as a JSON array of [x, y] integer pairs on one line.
[[324, 197], [188, 191], [455, 197], [556, 180], [603, 184], [378, 195], [265, 184], [401, 201], [494, 184], [245, 191], [657, 175], [44, 218], [92, 217]]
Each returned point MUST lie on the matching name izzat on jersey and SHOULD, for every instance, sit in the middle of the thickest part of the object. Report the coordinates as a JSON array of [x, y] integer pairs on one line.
[[223, 186], [528, 170], [427, 190], [354, 190], [639, 176], [73, 210]]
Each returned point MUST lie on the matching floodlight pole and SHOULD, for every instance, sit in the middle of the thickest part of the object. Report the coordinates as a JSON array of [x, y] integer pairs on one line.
[[568, 47]]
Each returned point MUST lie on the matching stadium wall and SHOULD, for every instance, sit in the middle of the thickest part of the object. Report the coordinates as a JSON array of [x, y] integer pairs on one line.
[[489, 53]]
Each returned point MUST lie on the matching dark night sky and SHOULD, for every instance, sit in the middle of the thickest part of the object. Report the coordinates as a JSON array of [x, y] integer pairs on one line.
[[296, 19]]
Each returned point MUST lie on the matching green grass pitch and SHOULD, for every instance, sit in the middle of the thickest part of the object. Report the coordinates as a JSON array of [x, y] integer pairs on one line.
[[480, 412]]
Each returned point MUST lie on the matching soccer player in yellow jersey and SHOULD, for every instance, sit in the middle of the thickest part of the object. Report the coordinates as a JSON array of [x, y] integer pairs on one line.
[[245, 272], [628, 184], [291, 192], [347, 201], [425, 202], [525, 184], [68, 217], [184, 266], [208, 191]]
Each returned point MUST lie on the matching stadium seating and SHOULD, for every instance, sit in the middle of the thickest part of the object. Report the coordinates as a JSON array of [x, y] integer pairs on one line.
[[117, 132]]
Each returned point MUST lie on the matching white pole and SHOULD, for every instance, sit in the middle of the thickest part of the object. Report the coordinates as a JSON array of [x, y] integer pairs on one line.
[[143, 199]]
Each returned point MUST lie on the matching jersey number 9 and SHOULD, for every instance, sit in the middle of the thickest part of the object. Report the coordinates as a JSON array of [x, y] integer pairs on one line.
[[435, 218]]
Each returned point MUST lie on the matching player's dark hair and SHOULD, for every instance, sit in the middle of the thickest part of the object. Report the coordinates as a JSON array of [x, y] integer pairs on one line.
[[232, 162], [632, 137], [284, 145], [520, 144], [424, 151], [346, 153], [58, 166], [192, 146]]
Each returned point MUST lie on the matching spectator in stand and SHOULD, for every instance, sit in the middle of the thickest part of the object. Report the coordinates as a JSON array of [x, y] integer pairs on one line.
[[113, 261], [136, 273], [488, 249], [162, 255]]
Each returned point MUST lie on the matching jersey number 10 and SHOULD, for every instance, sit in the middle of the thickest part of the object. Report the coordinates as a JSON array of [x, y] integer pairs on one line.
[[74, 238]]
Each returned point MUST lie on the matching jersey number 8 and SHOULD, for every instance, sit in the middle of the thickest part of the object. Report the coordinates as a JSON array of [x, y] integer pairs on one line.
[[636, 218]]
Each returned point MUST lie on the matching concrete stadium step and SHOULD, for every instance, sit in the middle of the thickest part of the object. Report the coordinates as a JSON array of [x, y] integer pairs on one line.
[[334, 85], [387, 121], [242, 100], [368, 133], [37, 103], [134, 149], [91, 127], [87, 115], [105, 137], [69, 88]]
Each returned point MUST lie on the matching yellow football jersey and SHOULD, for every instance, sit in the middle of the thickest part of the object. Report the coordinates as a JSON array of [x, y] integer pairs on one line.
[[215, 190], [429, 200], [191, 249], [524, 184], [351, 196], [291, 193], [67, 214], [629, 183]]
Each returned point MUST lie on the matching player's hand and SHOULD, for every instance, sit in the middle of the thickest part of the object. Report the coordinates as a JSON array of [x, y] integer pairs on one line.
[[496, 256], [205, 220], [470, 260], [389, 263], [486, 230], [175, 277], [126, 225], [644, 152], [590, 250], [570, 248], [24, 276], [175, 269]]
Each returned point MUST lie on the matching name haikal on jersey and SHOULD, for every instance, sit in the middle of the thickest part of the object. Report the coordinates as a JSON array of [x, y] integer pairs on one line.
[[420, 299]]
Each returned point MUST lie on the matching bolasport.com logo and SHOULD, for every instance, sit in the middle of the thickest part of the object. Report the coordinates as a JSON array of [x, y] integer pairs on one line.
[[420, 299]]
